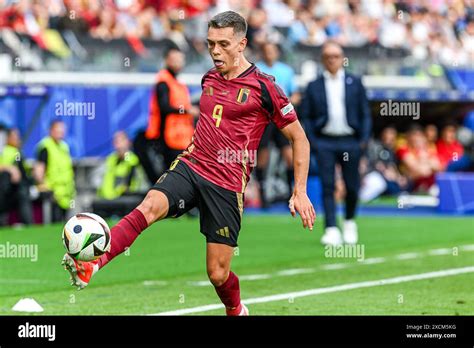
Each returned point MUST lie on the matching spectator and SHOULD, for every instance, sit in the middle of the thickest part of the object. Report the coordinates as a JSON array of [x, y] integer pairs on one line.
[[121, 170], [448, 26], [337, 115], [299, 29], [285, 78], [418, 161], [383, 176], [14, 183], [431, 133], [448, 147], [53, 170]]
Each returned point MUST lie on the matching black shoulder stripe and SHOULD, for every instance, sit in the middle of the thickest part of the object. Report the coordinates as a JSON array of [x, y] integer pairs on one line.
[[272, 80], [266, 100], [268, 77]]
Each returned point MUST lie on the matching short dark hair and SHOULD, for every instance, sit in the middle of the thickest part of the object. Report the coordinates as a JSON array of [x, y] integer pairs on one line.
[[331, 42], [229, 19], [414, 128], [11, 130], [54, 122], [169, 50]]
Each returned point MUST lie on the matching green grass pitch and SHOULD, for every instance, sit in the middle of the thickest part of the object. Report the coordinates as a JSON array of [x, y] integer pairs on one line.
[[165, 270]]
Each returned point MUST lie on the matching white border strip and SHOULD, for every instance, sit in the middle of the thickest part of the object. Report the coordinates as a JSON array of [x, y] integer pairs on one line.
[[337, 288]]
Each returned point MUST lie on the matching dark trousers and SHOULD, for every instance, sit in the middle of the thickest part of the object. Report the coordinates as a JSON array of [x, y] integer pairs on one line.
[[169, 155], [15, 196], [142, 148], [347, 152]]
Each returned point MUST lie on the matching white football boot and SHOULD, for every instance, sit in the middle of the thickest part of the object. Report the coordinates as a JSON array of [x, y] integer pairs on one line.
[[332, 236], [350, 234]]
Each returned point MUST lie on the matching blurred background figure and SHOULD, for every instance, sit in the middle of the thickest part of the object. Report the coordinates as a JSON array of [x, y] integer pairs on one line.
[[431, 134], [419, 161], [449, 149], [121, 170], [382, 175], [171, 117], [338, 119], [285, 78], [14, 183], [53, 170]]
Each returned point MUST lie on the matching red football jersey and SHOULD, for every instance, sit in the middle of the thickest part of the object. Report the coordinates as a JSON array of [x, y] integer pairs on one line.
[[233, 116]]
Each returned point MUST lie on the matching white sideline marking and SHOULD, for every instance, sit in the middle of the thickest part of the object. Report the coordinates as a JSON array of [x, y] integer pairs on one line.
[[255, 276], [201, 283], [330, 289], [373, 260], [336, 266], [444, 251], [332, 266], [290, 272], [407, 256]]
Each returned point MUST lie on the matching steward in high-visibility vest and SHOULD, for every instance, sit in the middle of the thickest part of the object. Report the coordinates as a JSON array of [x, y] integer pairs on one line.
[[178, 127], [9, 156], [170, 118], [120, 175], [58, 175]]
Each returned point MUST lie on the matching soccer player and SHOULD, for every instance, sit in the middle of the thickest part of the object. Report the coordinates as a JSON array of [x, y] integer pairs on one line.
[[237, 102]]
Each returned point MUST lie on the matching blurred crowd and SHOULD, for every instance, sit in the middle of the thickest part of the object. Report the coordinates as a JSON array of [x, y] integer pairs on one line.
[[441, 31], [408, 162]]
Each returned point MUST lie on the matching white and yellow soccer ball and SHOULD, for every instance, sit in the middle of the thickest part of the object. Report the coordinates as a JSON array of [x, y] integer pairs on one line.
[[86, 236]]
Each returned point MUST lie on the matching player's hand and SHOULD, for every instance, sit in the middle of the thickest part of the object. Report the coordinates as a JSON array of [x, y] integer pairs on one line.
[[299, 202]]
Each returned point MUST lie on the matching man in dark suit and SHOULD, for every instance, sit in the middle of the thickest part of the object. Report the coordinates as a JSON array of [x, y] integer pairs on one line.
[[337, 117]]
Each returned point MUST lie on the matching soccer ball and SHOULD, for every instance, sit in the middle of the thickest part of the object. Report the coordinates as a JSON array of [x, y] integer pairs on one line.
[[86, 236]]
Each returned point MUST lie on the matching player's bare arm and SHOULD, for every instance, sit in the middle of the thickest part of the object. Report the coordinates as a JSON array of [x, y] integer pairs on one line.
[[299, 201]]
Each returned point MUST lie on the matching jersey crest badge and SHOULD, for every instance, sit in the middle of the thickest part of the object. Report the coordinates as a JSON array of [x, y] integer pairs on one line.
[[243, 95]]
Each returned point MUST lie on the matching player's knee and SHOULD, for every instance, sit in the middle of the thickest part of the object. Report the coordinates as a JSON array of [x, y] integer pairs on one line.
[[153, 206], [217, 275]]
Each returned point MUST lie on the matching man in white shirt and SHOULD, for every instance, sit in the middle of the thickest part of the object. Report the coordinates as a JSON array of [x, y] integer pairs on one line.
[[337, 115]]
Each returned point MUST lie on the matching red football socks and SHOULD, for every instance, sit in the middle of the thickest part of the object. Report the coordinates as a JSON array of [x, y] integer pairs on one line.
[[123, 234], [229, 293]]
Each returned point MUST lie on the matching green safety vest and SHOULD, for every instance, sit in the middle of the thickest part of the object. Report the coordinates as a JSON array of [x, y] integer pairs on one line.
[[114, 183], [59, 176], [9, 156]]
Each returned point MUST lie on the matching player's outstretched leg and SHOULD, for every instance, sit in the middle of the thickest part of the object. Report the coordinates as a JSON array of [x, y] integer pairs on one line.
[[154, 207], [225, 282]]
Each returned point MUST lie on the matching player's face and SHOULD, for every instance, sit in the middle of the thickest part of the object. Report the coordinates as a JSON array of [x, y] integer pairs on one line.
[[225, 48]]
